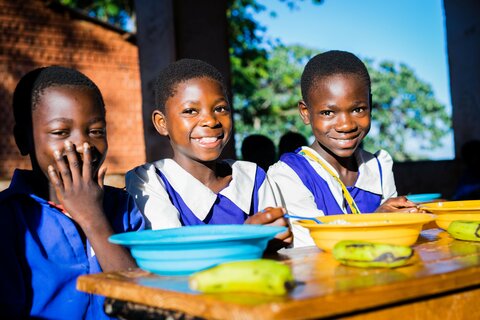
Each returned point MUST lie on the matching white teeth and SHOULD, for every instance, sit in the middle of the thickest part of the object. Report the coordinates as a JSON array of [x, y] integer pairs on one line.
[[207, 139]]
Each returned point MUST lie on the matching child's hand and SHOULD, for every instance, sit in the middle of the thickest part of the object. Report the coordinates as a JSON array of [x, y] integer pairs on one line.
[[78, 191], [398, 204], [81, 195], [273, 217]]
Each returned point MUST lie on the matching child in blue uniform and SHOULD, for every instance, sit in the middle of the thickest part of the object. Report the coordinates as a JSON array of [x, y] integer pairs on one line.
[[57, 217], [193, 111], [335, 175]]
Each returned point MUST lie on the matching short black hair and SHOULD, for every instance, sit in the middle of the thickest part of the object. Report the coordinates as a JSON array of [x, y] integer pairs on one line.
[[181, 71], [331, 63], [32, 85]]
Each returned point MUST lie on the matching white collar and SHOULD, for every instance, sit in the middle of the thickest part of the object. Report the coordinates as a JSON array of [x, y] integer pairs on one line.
[[369, 177], [199, 198]]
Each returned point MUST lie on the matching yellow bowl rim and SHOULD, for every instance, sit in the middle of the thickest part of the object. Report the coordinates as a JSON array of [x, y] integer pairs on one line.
[[460, 205], [457, 216], [417, 218]]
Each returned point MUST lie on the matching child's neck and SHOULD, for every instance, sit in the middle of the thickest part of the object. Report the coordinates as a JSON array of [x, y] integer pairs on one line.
[[347, 168], [213, 174]]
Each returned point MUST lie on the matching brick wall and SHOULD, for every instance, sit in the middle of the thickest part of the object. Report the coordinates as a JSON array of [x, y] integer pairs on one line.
[[35, 34]]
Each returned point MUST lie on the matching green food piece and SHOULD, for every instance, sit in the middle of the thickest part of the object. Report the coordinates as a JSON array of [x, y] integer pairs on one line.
[[261, 276], [366, 254], [465, 230]]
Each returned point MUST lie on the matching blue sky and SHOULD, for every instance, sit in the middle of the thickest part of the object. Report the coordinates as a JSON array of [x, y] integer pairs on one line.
[[407, 31]]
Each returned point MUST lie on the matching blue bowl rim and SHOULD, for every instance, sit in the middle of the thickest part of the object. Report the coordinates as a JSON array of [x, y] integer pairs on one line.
[[192, 234], [423, 197]]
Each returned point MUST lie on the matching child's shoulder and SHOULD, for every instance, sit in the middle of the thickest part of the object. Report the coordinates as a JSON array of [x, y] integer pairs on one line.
[[381, 155], [241, 167], [148, 171], [289, 161]]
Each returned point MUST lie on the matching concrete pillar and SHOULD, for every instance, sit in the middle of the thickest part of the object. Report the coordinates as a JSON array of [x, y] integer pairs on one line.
[[463, 42], [170, 30], [156, 46], [201, 33]]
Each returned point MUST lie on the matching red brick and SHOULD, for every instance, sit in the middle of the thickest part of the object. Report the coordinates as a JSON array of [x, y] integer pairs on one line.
[[35, 35]]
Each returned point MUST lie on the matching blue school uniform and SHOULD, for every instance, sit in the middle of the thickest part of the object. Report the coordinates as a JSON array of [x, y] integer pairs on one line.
[[366, 201], [43, 253], [170, 197]]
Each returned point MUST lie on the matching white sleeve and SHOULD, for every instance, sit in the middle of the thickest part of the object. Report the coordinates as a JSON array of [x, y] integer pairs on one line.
[[151, 197], [296, 198], [268, 195], [389, 189]]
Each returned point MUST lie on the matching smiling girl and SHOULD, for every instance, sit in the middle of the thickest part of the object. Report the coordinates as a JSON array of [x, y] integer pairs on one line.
[[195, 187]]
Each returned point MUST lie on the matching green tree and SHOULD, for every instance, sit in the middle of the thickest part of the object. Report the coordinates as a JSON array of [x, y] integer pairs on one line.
[[271, 109], [404, 108], [117, 12]]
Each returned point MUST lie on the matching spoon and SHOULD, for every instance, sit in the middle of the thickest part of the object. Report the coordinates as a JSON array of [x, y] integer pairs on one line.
[[286, 215]]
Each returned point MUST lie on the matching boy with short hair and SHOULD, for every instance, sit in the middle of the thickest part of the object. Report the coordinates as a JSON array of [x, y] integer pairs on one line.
[[335, 175]]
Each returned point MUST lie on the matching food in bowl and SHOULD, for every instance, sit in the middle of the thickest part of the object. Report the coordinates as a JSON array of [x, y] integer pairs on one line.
[[388, 228]]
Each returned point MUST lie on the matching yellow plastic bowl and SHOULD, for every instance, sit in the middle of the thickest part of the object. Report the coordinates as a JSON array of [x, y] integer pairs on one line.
[[444, 207], [444, 220], [390, 228]]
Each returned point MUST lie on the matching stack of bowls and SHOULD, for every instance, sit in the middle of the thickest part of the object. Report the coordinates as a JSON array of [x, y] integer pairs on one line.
[[448, 211]]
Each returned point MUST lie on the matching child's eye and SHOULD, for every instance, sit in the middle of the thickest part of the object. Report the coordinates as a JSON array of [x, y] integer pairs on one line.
[[326, 113], [97, 132], [222, 109], [359, 110], [59, 133], [189, 111]]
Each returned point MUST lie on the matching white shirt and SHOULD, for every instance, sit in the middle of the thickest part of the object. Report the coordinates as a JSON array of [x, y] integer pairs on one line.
[[151, 197], [299, 200]]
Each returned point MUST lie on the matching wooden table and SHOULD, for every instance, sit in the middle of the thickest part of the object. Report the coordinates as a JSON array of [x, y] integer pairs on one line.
[[443, 284]]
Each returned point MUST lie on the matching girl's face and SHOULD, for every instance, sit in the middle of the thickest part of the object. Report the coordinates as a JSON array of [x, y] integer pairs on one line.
[[197, 120], [68, 113], [339, 113]]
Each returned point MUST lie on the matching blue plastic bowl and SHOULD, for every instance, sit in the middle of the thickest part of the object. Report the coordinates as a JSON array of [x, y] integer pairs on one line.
[[185, 250]]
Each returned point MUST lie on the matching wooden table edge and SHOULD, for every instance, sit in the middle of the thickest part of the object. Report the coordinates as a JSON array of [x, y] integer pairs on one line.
[[335, 304]]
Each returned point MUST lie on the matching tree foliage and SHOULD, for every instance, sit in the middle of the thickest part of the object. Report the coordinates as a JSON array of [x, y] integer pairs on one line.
[[404, 108], [117, 12]]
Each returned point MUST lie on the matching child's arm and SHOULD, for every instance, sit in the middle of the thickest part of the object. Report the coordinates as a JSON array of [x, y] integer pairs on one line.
[[398, 204], [82, 197], [151, 197], [273, 217]]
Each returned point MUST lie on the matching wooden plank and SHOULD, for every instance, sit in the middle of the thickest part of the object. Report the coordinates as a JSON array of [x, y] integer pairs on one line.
[[445, 266]]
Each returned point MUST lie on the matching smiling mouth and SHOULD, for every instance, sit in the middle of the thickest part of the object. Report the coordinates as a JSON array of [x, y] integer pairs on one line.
[[347, 141], [208, 140]]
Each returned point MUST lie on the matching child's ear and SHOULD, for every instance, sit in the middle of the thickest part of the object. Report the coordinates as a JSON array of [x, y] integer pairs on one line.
[[304, 112], [160, 122], [22, 139]]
